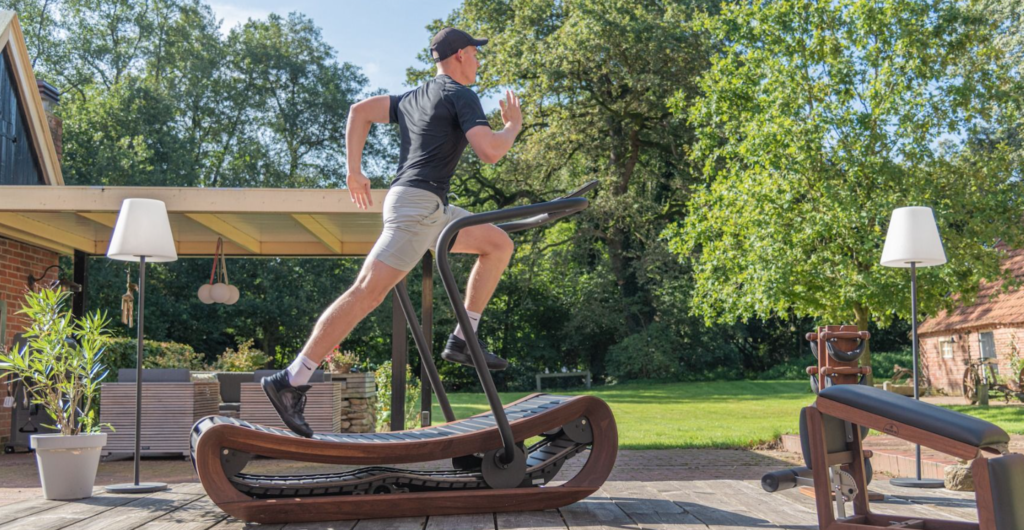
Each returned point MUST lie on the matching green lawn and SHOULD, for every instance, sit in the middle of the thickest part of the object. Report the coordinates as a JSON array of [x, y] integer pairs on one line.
[[711, 414], [662, 416], [1011, 419]]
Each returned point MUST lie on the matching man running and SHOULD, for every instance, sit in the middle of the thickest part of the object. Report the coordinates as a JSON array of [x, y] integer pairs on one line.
[[436, 121]]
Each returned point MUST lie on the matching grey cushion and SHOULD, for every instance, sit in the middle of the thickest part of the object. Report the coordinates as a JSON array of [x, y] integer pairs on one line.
[[155, 375], [1006, 475], [925, 416]]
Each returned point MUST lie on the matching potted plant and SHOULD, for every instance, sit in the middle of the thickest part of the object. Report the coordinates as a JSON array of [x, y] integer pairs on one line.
[[60, 368], [340, 362]]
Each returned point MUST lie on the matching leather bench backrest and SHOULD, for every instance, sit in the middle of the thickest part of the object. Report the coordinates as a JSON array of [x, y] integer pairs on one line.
[[835, 436], [1006, 475]]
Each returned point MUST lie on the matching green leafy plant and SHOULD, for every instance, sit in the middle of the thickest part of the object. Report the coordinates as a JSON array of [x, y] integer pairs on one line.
[[340, 362], [412, 391], [244, 359], [60, 364], [122, 352], [651, 354]]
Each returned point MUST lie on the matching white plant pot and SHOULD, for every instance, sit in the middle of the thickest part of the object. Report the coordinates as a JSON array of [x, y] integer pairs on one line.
[[68, 464]]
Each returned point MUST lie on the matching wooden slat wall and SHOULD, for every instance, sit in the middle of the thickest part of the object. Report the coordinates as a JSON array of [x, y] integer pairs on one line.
[[168, 412], [323, 407]]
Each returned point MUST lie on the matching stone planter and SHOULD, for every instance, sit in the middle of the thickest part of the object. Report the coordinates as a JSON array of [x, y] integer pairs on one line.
[[68, 464]]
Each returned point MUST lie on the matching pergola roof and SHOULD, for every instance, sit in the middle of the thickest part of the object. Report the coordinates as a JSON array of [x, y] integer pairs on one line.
[[252, 221]]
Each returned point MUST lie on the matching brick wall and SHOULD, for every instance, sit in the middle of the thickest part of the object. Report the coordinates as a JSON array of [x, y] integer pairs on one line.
[[946, 374], [17, 261]]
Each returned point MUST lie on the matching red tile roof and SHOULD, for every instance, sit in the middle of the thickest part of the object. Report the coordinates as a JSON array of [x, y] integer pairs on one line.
[[992, 308]]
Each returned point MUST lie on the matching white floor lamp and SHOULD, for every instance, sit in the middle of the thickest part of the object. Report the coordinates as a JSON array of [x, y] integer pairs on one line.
[[913, 241], [142, 233]]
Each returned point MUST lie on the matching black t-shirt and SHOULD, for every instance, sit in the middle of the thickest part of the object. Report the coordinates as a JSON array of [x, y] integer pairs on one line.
[[433, 120]]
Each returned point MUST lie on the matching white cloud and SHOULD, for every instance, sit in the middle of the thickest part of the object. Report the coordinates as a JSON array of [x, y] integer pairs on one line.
[[232, 15]]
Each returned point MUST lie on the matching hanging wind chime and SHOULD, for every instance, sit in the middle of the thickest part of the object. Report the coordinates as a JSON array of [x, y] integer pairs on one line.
[[128, 300], [220, 292]]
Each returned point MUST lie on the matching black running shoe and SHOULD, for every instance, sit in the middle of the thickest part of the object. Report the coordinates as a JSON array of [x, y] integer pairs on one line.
[[289, 401], [457, 351]]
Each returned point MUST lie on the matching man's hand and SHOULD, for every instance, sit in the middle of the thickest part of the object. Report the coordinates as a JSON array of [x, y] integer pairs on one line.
[[359, 190], [511, 114]]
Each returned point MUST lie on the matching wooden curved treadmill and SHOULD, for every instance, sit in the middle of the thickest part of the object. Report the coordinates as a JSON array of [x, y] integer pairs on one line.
[[567, 425]]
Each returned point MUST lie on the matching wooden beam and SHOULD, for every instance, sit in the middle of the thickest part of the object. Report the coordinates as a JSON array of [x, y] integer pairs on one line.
[[192, 200], [105, 219], [319, 231], [45, 231], [226, 230], [26, 237]]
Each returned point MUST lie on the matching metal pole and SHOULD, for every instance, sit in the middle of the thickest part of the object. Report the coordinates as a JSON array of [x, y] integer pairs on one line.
[[913, 327], [918, 482], [399, 361], [138, 368]]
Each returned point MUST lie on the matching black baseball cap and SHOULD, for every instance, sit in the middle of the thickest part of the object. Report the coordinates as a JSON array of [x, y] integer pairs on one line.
[[448, 41]]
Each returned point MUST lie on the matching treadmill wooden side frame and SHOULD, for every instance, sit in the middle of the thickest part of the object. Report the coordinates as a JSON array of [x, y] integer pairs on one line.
[[337, 507]]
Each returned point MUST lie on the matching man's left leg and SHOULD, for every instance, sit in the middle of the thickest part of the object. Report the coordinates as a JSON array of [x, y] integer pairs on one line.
[[494, 250]]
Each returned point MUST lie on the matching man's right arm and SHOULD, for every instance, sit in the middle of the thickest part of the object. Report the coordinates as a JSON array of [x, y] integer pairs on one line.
[[490, 145], [361, 117]]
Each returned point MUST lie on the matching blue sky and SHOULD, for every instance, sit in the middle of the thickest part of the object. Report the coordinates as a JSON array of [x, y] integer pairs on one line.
[[381, 37]]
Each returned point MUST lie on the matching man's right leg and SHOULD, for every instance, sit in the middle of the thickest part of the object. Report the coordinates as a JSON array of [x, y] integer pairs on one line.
[[286, 389]]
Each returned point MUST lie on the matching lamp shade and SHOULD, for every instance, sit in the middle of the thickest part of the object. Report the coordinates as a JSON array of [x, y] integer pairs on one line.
[[913, 237], [142, 229]]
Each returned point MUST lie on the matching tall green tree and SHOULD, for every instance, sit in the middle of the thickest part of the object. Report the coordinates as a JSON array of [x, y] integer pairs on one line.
[[816, 121], [596, 77]]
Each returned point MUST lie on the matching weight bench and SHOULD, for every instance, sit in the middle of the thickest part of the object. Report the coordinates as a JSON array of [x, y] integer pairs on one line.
[[998, 480]]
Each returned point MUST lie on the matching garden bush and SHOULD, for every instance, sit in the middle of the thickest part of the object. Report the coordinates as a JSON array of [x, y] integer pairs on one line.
[[121, 353], [651, 354], [243, 359], [412, 396]]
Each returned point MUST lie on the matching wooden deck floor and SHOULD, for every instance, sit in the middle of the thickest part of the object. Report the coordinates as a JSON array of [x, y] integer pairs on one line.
[[662, 505]]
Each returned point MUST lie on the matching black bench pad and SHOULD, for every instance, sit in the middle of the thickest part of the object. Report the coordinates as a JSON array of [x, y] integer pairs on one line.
[[925, 416]]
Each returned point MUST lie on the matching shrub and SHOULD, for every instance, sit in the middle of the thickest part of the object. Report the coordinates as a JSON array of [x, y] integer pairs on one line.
[[60, 365], [244, 359], [340, 362], [651, 354], [122, 352], [412, 394]]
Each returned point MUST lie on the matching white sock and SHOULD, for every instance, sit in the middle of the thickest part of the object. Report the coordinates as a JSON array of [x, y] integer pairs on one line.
[[300, 371], [474, 318]]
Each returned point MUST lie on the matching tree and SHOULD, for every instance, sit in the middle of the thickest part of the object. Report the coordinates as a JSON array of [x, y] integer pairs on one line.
[[595, 77], [817, 120]]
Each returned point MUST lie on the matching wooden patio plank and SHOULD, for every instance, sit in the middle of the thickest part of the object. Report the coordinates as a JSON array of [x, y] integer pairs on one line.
[[780, 511], [474, 521], [959, 504], [545, 520], [330, 525], [69, 513], [597, 512], [136, 513], [707, 505], [649, 508], [234, 524], [199, 515], [17, 510], [404, 523]]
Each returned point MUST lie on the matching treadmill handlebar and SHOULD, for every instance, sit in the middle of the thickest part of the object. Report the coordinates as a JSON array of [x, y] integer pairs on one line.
[[545, 218], [536, 214]]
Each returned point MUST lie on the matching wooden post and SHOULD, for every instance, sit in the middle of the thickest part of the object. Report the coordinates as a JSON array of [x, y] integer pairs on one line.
[[427, 311], [399, 360]]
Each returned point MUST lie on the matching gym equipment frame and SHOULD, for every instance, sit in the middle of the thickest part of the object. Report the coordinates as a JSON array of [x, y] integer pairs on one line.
[[493, 469]]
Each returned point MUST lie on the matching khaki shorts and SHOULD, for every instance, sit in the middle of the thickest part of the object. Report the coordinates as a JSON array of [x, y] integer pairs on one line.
[[413, 220]]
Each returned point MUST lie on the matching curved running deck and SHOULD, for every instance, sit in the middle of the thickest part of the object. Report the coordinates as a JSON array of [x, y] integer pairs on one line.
[[567, 425]]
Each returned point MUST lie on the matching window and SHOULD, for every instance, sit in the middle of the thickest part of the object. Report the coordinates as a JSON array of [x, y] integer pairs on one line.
[[987, 345], [946, 347]]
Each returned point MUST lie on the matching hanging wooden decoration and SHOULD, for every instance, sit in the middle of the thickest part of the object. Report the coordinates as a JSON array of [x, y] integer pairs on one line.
[[128, 301]]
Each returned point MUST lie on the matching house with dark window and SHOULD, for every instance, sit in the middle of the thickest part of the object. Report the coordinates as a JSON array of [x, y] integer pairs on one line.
[[30, 145], [990, 328]]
